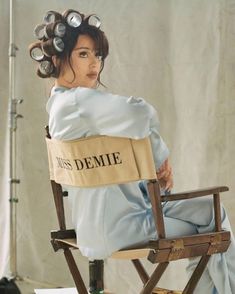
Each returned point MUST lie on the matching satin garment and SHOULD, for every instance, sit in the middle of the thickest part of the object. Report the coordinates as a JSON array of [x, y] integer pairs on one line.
[[107, 218]]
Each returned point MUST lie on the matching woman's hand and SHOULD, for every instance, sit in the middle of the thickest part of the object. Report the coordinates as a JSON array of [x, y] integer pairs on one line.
[[165, 176]]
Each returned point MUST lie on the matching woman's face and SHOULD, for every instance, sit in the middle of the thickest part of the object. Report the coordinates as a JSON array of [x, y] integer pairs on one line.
[[86, 64]]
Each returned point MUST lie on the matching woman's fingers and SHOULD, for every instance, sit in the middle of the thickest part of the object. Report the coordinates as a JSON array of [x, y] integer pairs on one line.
[[165, 173], [169, 184]]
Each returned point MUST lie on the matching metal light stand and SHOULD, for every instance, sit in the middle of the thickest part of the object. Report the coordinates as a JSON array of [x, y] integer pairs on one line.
[[13, 117]]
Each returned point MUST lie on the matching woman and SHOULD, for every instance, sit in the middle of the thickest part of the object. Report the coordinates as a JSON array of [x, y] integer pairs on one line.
[[72, 49]]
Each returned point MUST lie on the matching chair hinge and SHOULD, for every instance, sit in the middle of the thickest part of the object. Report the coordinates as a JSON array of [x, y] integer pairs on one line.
[[55, 245], [176, 249], [215, 242]]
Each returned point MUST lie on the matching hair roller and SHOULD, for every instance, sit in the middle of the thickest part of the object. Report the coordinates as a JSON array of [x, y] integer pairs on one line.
[[53, 46], [45, 69], [93, 20], [52, 16], [56, 29], [73, 18], [39, 31], [35, 51]]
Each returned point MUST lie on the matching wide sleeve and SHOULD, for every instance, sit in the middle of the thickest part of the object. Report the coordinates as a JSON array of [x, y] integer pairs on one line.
[[146, 119], [159, 147], [115, 115]]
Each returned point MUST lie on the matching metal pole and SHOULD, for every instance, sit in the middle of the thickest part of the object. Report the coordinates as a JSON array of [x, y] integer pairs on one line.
[[13, 116]]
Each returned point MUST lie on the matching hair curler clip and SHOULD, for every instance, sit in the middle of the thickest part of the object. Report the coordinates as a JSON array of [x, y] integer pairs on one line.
[[53, 46], [93, 20], [52, 16], [45, 68], [73, 18], [56, 29], [39, 31], [35, 51]]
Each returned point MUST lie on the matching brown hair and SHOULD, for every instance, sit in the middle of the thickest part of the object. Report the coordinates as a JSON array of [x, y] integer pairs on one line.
[[70, 39]]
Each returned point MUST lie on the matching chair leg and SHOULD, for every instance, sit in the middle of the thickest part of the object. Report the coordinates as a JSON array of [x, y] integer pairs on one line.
[[96, 274], [155, 277], [192, 283], [141, 270], [75, 272]]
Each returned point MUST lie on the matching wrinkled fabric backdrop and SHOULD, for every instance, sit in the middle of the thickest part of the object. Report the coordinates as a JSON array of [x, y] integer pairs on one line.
[[179, 55]]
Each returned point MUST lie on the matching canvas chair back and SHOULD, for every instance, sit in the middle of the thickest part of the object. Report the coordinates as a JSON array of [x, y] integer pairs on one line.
[[100, 160]]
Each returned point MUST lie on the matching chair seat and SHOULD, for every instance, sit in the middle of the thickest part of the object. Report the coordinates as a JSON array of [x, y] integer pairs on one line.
[[167, 249], [122, 254]]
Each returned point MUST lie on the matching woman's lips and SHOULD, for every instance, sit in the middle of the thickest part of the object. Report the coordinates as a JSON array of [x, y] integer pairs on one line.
[[92, 76]]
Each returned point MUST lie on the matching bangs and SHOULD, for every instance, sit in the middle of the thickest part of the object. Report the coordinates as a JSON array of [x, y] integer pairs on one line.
[[99, 38]]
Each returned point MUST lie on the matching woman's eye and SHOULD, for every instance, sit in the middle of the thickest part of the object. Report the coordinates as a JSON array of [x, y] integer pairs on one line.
[[83, 54]]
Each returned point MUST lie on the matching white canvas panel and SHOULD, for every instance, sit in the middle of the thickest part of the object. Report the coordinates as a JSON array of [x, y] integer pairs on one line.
[[56, 291]]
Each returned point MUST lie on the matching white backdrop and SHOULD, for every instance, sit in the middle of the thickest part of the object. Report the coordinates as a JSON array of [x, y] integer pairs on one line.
[[179, 55]]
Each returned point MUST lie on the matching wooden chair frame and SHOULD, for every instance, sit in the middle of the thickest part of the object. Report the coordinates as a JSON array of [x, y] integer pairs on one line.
[[159, 252]]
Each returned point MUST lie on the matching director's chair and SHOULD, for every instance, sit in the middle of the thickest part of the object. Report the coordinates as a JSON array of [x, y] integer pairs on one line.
[[135, 162]]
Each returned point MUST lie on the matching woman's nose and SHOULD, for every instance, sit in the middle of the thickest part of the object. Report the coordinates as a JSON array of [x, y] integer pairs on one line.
[[94, 60]]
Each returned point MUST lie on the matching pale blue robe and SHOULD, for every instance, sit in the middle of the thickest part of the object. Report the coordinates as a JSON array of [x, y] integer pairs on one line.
[[110, 218]]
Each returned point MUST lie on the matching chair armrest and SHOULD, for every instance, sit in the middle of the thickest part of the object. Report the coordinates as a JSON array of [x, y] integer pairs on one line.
[[194, 193]]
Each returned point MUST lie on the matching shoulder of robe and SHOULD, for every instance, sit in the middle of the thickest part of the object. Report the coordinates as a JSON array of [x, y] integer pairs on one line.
[[106, 97]]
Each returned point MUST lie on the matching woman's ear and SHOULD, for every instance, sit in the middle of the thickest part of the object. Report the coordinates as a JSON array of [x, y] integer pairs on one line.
[[57, 64], [54, 60]]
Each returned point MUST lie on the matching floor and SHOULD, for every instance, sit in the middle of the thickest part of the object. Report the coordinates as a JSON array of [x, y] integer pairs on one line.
[[28, 286]]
